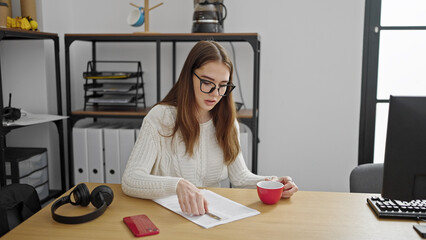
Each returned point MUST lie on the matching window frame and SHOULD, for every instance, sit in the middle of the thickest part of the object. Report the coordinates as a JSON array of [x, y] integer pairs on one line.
[[370, 65]]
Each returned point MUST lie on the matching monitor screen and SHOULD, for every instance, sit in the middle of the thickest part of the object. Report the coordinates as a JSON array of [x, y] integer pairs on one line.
[[404, 176]]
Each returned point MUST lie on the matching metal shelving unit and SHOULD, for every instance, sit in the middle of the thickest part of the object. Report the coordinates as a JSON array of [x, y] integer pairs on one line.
[[7, 34], [250, 117]]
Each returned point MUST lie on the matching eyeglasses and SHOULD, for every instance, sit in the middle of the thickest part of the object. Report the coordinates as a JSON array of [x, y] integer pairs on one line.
[[207, 86]]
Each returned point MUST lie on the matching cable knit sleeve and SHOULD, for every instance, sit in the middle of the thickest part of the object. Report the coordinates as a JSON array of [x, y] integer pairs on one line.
[[239, 175], [137, 180]]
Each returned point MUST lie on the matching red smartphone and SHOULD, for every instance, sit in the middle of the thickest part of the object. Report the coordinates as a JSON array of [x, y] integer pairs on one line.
[[140, 225]]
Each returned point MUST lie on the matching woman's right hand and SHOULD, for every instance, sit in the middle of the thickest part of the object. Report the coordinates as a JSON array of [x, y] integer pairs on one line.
[[191, 200]]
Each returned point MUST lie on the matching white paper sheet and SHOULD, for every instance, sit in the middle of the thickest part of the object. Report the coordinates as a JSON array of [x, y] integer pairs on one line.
[[30, 119], [220, 206]]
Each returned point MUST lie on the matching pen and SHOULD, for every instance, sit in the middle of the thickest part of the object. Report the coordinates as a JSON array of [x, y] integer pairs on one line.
[[213, 216]]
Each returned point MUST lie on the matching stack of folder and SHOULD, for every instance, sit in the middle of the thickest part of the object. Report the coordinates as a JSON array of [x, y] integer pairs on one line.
[[101, 151]]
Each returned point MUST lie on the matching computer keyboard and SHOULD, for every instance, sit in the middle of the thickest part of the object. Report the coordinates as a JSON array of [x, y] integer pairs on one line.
[[385, 207]]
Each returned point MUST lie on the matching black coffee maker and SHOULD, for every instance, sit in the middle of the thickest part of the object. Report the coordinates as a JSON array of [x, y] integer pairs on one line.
[[208, 16]]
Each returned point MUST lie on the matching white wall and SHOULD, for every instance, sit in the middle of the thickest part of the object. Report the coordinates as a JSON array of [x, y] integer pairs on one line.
[[310, 91], [311, 53]]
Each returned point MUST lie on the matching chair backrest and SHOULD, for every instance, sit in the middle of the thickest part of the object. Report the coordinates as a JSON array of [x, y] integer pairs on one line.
[[17, 203], [367, 178]]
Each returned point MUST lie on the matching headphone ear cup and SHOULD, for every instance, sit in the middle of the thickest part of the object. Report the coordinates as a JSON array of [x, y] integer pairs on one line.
[[10, 113], [7, 111], [81, 195], [100, 195]]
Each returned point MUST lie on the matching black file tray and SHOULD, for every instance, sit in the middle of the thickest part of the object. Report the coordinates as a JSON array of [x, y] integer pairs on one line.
[[113, 88]]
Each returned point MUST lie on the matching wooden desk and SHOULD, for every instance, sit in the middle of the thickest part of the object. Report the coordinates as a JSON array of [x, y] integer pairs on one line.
[[307, 215]]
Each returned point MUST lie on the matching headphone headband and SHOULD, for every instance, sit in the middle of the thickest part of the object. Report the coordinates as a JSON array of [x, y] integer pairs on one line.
[[81, 197]]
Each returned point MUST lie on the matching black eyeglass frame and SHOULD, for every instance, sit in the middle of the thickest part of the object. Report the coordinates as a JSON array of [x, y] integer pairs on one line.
[[229, 88]]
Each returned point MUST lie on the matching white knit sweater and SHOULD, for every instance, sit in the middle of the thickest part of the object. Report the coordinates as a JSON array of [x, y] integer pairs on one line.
[[158, 162]]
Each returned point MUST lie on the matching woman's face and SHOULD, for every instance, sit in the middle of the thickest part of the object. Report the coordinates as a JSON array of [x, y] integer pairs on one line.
[[212, 72]]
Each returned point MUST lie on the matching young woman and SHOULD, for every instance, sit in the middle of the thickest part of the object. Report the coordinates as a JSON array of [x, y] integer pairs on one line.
[[191, 138]]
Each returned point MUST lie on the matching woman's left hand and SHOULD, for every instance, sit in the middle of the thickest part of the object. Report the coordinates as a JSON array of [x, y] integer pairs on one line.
[[290, 187]]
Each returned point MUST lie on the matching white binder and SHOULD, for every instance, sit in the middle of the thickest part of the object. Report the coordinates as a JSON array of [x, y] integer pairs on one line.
[[126, 143], [95, 144], [137, 130], [112, 154], [246, 144], [81, 168]]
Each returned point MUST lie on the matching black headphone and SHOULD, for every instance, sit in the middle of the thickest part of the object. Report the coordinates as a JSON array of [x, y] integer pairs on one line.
[[11, 113], [101, 197]]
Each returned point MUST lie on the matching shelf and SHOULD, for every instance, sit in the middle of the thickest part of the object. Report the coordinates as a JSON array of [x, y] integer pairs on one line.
[[14, 34], [245, 113], [181, 37], [110, 111], [18, 34]]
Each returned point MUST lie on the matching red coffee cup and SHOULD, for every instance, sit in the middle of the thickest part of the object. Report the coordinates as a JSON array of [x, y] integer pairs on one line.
[[269, 191]]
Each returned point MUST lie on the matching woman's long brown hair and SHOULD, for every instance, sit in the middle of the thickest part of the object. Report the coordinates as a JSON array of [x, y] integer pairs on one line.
[[183, 98]]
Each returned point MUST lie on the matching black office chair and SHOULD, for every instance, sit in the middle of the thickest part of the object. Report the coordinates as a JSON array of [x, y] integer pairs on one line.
[[367, 178], [17, 203]]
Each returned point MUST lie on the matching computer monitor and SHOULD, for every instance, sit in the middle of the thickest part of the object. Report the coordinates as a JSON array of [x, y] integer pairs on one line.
[[404, 176]]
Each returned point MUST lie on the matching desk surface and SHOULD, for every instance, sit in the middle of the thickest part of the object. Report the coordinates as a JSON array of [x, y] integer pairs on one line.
[[307, 215]]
